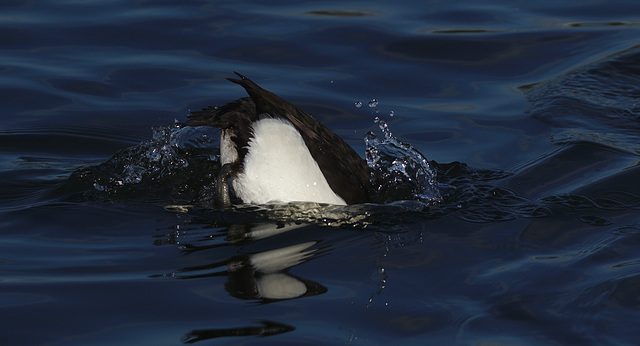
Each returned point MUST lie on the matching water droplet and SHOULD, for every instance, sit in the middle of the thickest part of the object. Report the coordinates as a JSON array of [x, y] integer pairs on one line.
[[358, 104], [392, 113], [373, 103]]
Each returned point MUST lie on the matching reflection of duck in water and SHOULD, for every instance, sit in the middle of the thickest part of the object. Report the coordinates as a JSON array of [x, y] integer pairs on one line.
[[265, 275], [262, 275], [272, 151]]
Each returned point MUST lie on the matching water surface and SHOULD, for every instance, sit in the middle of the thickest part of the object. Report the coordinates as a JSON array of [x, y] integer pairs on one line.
[[528, 110]]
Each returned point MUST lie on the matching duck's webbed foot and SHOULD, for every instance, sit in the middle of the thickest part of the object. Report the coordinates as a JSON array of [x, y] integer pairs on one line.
[[223, 196]]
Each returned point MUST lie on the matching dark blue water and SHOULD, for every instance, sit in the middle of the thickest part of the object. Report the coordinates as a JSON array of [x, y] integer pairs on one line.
[[529, 112]]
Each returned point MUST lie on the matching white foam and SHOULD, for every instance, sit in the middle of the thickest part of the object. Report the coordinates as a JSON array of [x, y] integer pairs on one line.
[[279, 168]]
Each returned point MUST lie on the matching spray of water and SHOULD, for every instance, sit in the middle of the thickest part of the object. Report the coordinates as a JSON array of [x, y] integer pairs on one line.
[[398, 170]]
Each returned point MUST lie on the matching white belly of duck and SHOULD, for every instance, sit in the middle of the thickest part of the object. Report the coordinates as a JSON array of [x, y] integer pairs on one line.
[[279, 168]]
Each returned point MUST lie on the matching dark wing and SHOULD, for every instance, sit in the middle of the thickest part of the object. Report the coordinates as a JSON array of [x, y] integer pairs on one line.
[[346, 172], [226, 116], [235, 118]]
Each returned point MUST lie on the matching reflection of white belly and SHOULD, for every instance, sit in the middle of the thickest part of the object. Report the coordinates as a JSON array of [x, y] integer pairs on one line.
[[280, 168]]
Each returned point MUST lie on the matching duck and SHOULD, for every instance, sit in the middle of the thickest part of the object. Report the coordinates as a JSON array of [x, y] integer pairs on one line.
[[272, 152]]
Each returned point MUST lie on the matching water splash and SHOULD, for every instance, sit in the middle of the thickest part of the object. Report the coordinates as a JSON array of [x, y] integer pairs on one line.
[[179, 166], [399, 171], [177, 162]]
